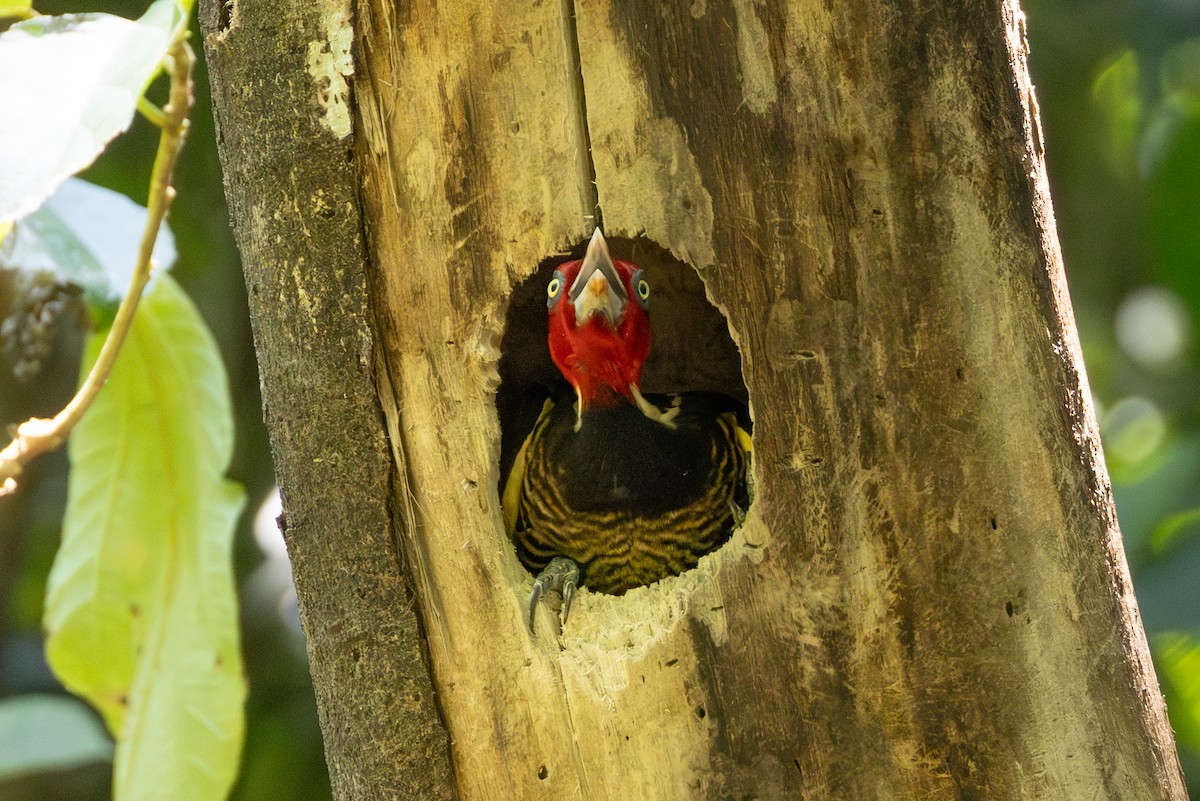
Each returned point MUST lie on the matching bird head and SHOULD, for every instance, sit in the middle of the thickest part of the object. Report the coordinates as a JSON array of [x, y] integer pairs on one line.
[[599, 325]]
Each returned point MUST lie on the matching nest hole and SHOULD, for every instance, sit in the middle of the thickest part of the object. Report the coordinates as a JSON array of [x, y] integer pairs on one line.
[[691, 349]]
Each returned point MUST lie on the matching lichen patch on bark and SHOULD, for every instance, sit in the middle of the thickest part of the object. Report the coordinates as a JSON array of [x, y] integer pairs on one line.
[[330, 64]]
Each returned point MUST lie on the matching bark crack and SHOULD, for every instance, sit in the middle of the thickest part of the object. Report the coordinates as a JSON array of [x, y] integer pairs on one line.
[[575, 62]]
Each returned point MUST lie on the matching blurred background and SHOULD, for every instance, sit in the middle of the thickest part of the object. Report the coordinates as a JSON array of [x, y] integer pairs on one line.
[[1119, 87]]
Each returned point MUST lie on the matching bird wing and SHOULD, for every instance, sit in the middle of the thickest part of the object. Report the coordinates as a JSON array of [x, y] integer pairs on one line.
[[510, 502], [743, 439]]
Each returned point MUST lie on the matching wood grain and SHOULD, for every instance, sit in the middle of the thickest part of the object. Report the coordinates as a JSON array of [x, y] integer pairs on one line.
[[944, 607], [293, 196], [929, 598]]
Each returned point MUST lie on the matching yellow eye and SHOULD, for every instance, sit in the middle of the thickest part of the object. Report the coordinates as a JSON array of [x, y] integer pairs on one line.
[[554, 289], [642, 288]]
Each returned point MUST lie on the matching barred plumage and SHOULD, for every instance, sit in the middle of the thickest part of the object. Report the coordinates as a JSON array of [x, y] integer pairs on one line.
[[613, 490], [628, 499]]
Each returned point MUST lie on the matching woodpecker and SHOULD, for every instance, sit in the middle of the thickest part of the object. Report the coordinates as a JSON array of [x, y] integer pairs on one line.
[[613, 489]]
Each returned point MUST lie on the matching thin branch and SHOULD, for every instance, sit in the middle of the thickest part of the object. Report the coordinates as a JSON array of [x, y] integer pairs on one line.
[[38, 435]]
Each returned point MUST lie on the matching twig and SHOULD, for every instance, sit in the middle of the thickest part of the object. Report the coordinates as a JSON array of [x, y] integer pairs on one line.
[[38, 435], [151, 112]]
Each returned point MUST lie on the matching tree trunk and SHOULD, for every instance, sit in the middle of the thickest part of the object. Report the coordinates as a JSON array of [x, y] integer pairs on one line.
[[928, 599], [293, 196]]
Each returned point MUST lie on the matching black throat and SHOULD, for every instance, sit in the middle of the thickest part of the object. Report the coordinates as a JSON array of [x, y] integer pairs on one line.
[[619, 459]]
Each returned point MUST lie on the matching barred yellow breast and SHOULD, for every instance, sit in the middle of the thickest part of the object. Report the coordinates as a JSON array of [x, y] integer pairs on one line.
[[628, 499]]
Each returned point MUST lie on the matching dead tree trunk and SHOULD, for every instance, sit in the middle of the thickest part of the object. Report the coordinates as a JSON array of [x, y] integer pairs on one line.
[[293, 195], [929, 598]]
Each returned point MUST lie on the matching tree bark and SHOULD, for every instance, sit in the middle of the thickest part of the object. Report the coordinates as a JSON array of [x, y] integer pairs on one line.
[[284, 137], [929, 598]]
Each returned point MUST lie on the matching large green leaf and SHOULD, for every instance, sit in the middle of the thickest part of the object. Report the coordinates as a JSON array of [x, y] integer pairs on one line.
[[48, 732], [1118, 97], [68, 85], [140, 607], [86, 235]]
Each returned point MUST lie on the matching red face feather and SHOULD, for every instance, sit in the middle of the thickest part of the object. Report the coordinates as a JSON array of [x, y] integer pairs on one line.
[[599, 327]]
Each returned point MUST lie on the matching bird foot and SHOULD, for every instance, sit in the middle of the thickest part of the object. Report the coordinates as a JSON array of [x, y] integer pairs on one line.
[[561, 576], [739, 514]]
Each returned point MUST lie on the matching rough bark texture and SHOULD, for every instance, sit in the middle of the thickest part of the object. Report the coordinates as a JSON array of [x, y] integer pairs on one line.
[[278, 73], [929, 598]]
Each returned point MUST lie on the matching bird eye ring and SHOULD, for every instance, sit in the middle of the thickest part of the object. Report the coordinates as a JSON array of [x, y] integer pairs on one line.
[[643, 289], [554, 289]]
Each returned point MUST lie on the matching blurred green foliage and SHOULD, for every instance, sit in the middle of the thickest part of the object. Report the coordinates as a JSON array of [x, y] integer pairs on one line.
[[282, 758], [1119, 86], [1119, 89]]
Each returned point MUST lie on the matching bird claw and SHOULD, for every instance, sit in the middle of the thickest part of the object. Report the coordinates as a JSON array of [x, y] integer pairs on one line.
[[561, 576], [739, 514]]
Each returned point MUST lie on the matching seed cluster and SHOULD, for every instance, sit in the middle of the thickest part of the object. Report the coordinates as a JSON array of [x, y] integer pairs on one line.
[[27, 333]]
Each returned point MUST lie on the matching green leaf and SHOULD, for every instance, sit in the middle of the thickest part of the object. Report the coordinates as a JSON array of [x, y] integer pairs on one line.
[[68, 85], [86, 235], [1172, 529], [15, 8], [1178, 108], [1179, 74], [1117, 94], [44, 733], [1144, 507], [1177, 657], [140, 608]]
